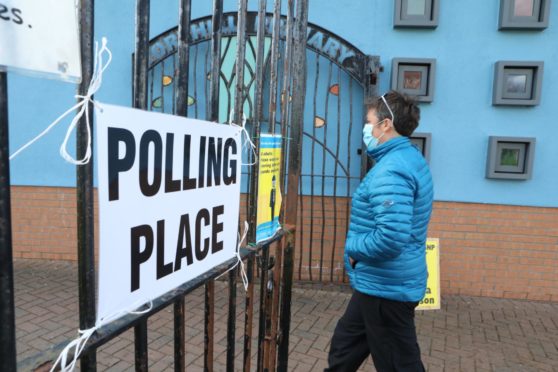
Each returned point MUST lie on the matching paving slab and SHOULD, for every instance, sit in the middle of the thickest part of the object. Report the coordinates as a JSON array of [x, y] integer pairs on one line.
[[466, 334]]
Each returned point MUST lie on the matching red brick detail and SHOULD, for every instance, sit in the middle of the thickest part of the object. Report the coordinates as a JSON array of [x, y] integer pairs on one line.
[[486, 250]]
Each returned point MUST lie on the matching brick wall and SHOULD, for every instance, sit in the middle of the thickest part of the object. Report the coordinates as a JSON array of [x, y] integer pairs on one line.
[[497, 250], [486, 250]]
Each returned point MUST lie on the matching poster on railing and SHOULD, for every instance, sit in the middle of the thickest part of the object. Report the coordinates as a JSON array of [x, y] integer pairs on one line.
[[269, 187], [40, 37], [169, 194], [431, 300]]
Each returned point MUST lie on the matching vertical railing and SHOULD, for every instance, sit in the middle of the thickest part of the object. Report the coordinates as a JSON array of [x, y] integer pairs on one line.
[[293, 178], [7, 310], [184, 16], [140, 101], [264, 256], [85, 202], [252, 191], [286, 88], [273, 78], [238, 117], [213, 116]]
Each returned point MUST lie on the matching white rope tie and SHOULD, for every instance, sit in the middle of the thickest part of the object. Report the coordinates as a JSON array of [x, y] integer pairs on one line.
[[96, 80], [239, 259], [79, 343], [247, 135]]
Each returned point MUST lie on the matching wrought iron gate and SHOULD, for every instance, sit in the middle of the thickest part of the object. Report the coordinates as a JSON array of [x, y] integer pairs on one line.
[[339, 78], [273, 336]]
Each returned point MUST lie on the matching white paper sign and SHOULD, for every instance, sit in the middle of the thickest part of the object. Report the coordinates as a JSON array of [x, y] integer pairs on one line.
[[40, 36], [169, 193]]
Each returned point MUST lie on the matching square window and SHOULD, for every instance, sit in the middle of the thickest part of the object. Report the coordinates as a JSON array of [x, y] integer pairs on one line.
[[416, 13], [510, 158], [524, 14], [415, 77], [517, 83]]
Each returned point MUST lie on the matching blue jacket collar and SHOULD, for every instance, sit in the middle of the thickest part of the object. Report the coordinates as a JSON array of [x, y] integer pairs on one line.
[[389, 146]]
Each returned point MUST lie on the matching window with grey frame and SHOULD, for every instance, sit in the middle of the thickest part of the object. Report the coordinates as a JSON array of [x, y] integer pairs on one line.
[[510, 158], [517, 83], [416, 13], [524, 14], [414, 77]]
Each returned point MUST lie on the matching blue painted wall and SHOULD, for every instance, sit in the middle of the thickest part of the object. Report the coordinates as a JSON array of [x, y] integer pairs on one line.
[[466, 44]]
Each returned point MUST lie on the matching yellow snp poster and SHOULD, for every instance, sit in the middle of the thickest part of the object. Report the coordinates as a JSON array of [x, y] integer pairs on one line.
[[431, 300], [269, 191]]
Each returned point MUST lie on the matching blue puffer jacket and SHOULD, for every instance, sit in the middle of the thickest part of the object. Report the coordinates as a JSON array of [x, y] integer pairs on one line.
[[389, 218]]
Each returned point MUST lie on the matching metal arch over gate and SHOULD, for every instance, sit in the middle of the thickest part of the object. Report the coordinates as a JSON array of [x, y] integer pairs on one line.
[[339, 78]]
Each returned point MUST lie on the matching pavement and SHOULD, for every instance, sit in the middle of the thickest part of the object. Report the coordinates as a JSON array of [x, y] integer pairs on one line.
[[467, 334]]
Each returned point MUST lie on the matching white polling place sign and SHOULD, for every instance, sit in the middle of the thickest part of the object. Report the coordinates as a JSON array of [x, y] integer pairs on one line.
[[169, 194], [40, 37]]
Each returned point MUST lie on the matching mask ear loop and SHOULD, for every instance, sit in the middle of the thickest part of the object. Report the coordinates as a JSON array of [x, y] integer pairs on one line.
[[389, 109]]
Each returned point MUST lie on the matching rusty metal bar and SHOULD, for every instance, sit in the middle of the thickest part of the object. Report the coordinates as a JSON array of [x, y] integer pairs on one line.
[[275, 305], [7, 305], [248, 315], [238, 113], [207, 83], [312, 173], [150, 99], [195, 93], [252, 197], [286, 87], [348, 191], [179, 335], [231, 320], [141, 56], [184, 15], [216, 19], [240, 58], [338, 139], [274, 65], [269, 289], [322, 194], [286, 293], [297, 119], [209, 326], [256, 129], [84, 191], [264, 263]]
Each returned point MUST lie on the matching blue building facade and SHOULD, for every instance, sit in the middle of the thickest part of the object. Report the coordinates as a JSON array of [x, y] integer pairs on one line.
[[466, 44]]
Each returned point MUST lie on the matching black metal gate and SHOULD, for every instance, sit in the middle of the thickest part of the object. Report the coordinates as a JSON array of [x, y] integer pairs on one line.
[[274, 309], [339, 78]]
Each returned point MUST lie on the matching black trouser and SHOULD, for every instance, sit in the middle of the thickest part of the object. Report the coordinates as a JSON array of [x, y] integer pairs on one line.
[[380, 327]]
